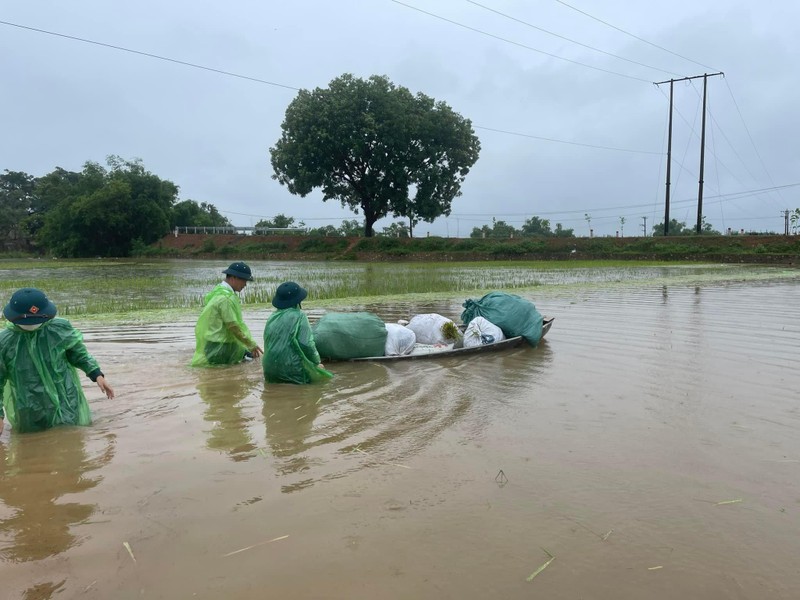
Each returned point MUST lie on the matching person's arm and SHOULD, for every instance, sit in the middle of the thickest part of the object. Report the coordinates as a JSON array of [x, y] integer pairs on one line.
[[78, 356], [229, 318], [306, 340], [104, 386]]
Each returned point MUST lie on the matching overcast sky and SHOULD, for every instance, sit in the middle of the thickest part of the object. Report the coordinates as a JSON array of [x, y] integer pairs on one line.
[[560, 94]]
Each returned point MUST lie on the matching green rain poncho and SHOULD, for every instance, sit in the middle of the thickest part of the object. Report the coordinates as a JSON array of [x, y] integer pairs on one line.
[[290, 355], [39, 383], [222, 337]]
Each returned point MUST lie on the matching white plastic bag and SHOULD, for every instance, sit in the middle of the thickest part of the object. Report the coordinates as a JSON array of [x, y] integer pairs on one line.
[[482, 331], [428, 328], [400, 340]]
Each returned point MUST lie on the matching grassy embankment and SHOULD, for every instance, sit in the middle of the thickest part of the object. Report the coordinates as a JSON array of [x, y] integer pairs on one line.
[[718, 249]]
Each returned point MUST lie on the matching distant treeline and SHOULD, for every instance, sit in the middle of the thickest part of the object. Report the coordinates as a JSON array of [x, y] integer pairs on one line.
[[99, 211], [122, 210], [709, 248]]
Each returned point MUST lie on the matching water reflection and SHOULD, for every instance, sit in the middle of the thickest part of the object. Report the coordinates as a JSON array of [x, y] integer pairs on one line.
[[43, 591], [289, 413], [223, 390], [37, 469]]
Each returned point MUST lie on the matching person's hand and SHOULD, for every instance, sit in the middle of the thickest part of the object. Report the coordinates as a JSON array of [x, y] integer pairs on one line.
[[321, 366], [256, 352], [105, 387]]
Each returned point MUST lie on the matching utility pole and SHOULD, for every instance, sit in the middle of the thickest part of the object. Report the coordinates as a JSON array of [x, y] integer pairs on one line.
[[644, 226], [786, 222], [671, 82]]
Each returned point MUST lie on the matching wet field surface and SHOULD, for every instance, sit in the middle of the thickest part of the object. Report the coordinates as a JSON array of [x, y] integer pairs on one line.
[[650, 444]]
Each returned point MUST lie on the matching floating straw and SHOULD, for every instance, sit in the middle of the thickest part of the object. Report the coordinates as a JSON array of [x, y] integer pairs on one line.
[[283, 537], [130, 551], [542, 568]]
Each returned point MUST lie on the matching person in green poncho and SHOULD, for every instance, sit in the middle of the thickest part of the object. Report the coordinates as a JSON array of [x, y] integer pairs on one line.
[[290, 355], [221, 335], [39, 354]]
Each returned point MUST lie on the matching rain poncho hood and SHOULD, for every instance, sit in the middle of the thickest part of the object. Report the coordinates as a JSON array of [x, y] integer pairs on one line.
[[39, 384], [290, 355], [222, 337]]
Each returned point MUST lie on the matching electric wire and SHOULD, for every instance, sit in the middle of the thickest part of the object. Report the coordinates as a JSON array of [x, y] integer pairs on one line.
[[263, 81], [547, 139], [521, 217], [518, 44], [738, 195], [716, 168], [531, 25], [635, 36], [150, 55], [747, 129]]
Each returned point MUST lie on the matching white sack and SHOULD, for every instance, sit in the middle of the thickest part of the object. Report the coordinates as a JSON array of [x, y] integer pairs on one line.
[[480, 331], [428, 328], [400, 340]]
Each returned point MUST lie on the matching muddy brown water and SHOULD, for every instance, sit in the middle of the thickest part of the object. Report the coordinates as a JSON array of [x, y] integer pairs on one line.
[[651, 444]]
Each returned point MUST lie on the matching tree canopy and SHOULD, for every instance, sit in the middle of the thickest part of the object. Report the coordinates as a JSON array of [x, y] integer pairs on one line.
[[279, 221], [533, 227], [103, 211], [369, 144], [99, 211], [189, 213], [679, 228]]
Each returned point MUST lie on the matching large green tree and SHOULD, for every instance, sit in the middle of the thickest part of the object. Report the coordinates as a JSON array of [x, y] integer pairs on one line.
[[370, 144], [103, 211], [17, 198], [189, 213]]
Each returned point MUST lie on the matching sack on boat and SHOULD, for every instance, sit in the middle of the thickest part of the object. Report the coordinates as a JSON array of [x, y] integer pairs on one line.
[[482, 331], [429, 329], [342, 336], [514, 315], [400, 340]]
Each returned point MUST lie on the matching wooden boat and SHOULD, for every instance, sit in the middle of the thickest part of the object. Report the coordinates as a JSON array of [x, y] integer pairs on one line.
[[442, 351]]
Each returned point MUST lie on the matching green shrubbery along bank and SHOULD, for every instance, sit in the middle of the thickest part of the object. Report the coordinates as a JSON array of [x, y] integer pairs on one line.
[[736, 248]]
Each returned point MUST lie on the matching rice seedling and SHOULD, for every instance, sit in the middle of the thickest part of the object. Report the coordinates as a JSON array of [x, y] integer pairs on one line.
[[159, 286]]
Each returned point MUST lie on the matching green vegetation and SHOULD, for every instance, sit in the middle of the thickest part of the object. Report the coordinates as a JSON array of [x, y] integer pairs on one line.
[[366, 143], [679, 228], [533, 227], [99, 211], [708, 248], [145, 289]]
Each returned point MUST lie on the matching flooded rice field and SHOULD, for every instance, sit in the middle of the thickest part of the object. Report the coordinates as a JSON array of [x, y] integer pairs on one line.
[[648, 448]]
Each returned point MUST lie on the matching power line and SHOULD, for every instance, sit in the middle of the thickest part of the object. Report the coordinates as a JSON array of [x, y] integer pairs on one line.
[[635, 36], [149, 55], [617, 56], [263, 81], [473, 217], [736, 104], [546, 139], [720, 197], [502, 39]]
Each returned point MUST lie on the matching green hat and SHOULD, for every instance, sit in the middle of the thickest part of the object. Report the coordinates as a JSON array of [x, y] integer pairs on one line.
[[29, 306], [240, 270], [288, 294]]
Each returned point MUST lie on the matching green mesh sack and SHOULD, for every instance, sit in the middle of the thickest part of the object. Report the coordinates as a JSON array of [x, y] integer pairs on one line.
[[511, 313], [342, 336]]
